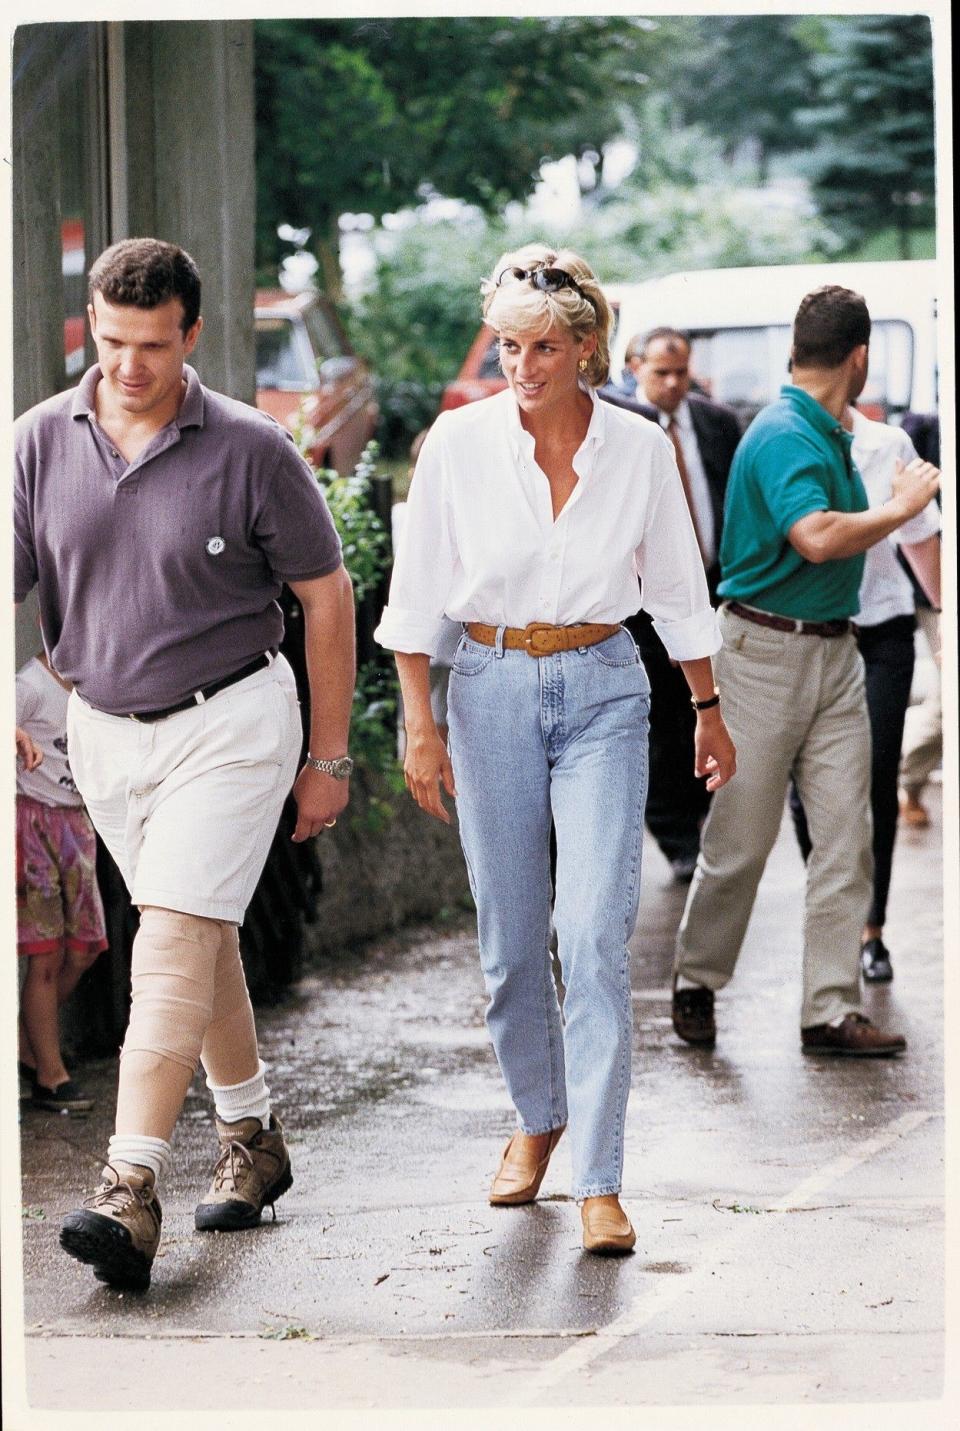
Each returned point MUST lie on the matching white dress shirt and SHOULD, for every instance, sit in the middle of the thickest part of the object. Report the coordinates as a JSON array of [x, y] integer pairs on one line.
[[480, 542], [699, 486], [885, 590]]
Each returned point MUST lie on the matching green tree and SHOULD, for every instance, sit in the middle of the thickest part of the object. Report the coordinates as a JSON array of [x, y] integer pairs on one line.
[[742, 78], [874, 165], [369, 115]]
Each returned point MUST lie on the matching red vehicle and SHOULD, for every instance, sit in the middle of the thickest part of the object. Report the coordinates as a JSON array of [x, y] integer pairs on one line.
[[307, 374], [480, 375]]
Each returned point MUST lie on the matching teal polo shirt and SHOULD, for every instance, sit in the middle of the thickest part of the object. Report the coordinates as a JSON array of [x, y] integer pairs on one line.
[[793, 459]]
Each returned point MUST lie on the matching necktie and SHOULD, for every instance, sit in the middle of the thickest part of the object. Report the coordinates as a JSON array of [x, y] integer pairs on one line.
[[673, 432]]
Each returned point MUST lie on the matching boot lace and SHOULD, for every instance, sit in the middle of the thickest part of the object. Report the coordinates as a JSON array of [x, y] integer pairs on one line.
[[230, 1166], [118, 1195]]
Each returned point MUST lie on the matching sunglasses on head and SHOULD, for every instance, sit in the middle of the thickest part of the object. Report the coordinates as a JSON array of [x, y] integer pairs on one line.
[[548, 280]]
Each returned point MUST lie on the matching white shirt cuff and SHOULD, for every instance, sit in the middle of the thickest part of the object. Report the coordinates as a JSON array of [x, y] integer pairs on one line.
[[925, 524], [691, 638], [409, 631]]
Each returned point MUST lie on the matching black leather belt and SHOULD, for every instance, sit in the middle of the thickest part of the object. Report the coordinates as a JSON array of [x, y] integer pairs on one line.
[[206, 692], [839, 627]]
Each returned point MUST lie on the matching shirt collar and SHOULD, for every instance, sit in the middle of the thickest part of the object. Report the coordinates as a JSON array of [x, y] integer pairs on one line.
[[189, 415], [596, 427], [814, 412], [681, 416]]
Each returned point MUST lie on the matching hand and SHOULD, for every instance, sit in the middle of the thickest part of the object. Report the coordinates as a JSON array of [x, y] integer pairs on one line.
[[425, 768], [715, 755], [320, 799], [30, 754], [914, 485]]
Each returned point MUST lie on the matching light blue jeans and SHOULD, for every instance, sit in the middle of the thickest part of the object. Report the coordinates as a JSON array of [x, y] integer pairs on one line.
[[560, 738]]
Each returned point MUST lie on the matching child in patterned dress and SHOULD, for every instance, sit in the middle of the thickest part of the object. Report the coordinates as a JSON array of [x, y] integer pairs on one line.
[[60, 921]]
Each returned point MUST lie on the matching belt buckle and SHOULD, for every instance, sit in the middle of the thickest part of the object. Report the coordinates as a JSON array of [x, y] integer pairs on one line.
[[530, 634], [135, 717]]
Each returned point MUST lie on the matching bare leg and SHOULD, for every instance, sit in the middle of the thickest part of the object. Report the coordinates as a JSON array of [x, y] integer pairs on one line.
[[38, 1007], [75, 965]]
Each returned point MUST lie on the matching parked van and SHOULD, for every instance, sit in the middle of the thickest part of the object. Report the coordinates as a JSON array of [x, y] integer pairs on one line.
[[740, 320]]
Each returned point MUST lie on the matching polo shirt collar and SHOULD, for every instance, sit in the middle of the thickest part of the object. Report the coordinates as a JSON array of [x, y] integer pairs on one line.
[[189, 415], [814, 412]]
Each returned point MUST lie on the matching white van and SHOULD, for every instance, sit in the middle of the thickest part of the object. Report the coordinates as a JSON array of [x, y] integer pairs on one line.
[[740, 319]]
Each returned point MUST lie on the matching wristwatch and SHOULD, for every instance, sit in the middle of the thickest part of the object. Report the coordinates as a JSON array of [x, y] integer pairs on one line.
[[340, 768]]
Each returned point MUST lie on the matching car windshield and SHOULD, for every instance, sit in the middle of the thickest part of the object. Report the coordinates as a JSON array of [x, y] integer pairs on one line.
[[280, 358]]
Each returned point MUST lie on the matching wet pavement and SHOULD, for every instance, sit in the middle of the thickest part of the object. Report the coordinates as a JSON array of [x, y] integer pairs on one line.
[[789, 1210]]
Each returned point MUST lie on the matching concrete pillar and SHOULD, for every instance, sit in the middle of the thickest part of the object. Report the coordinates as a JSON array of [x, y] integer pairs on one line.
[[188, 172], [38, 369]]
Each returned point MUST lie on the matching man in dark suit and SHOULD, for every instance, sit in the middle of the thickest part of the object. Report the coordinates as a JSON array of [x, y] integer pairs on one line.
[[705, 436]]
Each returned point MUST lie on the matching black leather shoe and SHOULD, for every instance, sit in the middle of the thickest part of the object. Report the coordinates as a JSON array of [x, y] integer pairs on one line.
[[693, 1017], [875, 961]]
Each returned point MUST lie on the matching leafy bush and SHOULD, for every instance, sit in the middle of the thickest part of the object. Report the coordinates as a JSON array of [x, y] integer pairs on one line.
[[366, 556], [366, 548]]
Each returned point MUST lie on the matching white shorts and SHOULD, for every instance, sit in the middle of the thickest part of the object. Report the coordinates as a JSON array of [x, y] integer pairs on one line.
[[188, 805]]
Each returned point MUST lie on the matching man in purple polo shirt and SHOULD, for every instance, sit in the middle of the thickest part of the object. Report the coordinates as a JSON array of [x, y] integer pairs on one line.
[[159, 521]]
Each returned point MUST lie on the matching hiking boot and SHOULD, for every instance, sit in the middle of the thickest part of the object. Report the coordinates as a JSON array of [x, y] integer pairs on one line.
[[117, 1229], [253, 1170]]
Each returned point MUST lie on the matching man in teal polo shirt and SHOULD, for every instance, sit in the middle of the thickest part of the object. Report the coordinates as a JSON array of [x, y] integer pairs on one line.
[[796, 526]]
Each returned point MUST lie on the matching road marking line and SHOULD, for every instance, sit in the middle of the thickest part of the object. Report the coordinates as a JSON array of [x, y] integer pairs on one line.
[[649, 1304]]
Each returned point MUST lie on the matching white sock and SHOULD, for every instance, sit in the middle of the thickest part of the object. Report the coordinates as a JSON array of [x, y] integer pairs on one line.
[[684, 983], [250, 1099], [141, 1151]]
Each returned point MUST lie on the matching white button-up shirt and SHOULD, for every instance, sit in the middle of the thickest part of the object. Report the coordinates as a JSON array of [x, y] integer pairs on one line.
[[699, 486], [480, 542], [885, 590]]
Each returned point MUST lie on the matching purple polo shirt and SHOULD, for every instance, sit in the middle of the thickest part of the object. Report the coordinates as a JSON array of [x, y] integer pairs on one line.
[[161, 576]]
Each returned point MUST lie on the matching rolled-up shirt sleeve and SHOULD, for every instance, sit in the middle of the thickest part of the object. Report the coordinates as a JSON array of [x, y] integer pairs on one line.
[[425, 560], [670, 567]]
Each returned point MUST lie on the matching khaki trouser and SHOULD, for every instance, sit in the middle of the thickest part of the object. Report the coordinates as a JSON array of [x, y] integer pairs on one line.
[[793, 704], [923, 730]]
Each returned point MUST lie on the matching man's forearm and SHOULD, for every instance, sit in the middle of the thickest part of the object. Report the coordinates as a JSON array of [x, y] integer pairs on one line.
[[828, 536], [330, 642]]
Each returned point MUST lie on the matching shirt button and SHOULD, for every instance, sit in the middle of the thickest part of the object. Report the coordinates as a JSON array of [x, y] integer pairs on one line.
[[114, 452]]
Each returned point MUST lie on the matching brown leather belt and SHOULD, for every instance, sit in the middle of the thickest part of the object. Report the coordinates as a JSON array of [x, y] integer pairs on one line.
[[539, 638], [787, 623]]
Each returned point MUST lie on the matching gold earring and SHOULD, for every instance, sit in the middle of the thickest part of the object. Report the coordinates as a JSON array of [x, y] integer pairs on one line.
[[583, 365]]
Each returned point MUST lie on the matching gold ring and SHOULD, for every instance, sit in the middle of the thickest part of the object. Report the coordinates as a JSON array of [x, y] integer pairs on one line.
[[329, 824]]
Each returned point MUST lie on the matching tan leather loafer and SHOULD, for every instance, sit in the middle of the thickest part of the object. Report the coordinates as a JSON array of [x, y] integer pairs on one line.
[[520, 1172], [606, 1227]]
